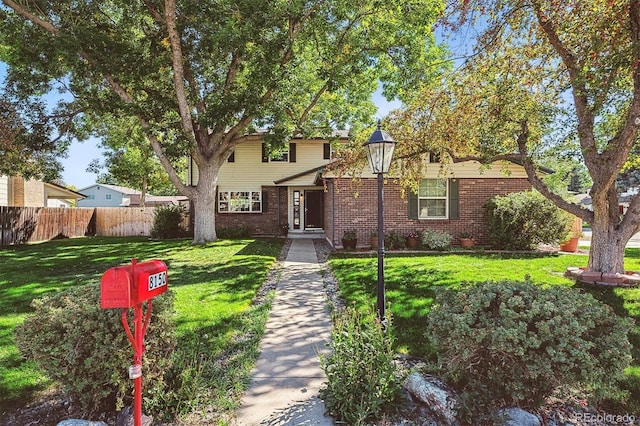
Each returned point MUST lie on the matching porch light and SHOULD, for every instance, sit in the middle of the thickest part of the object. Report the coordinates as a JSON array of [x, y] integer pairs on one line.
[[380, 147]]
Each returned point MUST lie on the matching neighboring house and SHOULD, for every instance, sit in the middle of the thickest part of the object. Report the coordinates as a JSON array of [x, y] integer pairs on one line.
[[15, 191], [624, 199], [103, 195], [294, 190]]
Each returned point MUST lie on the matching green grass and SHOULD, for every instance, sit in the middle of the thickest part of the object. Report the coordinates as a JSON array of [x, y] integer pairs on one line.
[[214, 285], [412, 282]]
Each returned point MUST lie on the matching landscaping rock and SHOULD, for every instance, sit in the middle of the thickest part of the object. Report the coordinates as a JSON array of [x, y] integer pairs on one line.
[[78, 422], [435, 395], [125, 418], [519, 417]]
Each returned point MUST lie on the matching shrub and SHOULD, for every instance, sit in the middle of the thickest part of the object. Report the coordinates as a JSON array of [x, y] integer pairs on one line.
[[233, 232], [361, 377], [515, 343], [167, 222], [394, 240], [85, 348], [436, 240], [523, 220]]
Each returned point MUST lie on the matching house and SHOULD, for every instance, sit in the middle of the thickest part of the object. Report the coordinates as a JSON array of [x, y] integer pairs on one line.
[[16, 191], [103, 195], [294, 190]]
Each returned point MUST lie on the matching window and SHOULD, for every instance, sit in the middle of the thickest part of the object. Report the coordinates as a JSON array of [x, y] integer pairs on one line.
[[107, 196], [90, 197], [239, 201], [434, 157], [284, 156], [432, 199]]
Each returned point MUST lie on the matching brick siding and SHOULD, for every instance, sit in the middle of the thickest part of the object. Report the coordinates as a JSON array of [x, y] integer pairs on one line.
[[352, 205], [265, 223]]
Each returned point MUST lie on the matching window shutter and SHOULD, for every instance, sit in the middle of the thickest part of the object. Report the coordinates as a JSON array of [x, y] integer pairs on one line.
[[454, 199], [265, 155], [413, 205], [292, 152], [232, 157], [326, 151], [265, 199]]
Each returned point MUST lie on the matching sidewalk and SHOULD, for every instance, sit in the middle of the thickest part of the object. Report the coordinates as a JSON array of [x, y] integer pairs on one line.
[[287, 377]]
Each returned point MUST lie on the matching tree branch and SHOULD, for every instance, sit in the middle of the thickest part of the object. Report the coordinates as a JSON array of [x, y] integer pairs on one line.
[[178, 69], [579, 90], [540, 186], [48, 26]]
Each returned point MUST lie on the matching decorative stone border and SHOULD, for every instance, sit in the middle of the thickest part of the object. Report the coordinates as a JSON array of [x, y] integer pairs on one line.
[[628, 279]]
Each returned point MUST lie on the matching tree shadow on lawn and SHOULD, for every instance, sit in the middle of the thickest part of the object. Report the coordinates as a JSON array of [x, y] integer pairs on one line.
[[409, 299]]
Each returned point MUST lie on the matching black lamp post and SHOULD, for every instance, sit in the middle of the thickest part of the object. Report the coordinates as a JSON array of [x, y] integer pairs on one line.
[[379, 149]]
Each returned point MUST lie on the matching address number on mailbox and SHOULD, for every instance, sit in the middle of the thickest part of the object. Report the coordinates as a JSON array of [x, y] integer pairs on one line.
[[157, 280]]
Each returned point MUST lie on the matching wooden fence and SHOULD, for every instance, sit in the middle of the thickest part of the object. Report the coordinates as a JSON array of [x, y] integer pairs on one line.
[[21, 225]]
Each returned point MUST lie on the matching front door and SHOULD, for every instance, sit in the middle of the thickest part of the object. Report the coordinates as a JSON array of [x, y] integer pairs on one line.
[[314, 209]]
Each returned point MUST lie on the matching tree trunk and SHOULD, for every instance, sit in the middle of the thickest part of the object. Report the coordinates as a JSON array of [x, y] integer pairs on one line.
[[204, 205], [607, 250], [609, 236]]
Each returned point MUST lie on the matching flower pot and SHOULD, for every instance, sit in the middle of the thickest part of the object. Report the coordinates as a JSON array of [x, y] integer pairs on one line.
[[467, 242], [413, 242], [570, 245], [374, 242]]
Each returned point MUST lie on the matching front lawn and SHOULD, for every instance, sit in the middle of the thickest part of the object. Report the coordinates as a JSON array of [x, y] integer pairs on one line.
[[214, 285], [412, 282]]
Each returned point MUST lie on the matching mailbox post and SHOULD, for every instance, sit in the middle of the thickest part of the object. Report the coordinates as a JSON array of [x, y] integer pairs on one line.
[[129, 287]]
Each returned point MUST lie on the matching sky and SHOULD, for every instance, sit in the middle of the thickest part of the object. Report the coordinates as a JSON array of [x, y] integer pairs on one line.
[[81, 153]]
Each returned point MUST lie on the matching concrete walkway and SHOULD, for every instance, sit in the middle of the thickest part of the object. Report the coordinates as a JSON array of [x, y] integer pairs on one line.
[[287, 376]]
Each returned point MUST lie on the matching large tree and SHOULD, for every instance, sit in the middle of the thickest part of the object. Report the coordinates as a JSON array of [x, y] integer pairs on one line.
[[542, 72], [198, 75]]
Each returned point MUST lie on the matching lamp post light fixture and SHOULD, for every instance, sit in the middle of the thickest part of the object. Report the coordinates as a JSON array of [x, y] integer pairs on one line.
[[380, 147]]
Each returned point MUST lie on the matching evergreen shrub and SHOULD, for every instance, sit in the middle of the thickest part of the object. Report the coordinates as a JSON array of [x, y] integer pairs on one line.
[[513, 343]]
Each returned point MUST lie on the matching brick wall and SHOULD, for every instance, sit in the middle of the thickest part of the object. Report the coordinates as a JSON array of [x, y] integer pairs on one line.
[[353, 206], [265, 223]]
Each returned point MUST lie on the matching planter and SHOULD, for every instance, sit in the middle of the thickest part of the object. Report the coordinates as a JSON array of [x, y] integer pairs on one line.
[[413, 242], [349, 244], [467, 242], [570, 245], [374, 243]]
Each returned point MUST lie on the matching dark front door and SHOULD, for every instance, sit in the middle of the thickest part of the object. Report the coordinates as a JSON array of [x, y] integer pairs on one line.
[[314, 209]]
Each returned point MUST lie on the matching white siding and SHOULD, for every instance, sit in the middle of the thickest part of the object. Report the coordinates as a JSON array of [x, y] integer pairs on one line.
[[248, 172], [466, 170]]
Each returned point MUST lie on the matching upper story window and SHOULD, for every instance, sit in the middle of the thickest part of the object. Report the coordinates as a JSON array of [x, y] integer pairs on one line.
[[281, 157], [285, 156], [432, 199], [107, 196]]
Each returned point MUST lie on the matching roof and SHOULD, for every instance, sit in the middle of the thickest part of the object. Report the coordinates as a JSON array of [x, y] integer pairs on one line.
[[59, 192], [121, 189]]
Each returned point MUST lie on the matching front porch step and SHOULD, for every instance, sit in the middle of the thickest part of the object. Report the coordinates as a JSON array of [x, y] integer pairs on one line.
[[307, 234]]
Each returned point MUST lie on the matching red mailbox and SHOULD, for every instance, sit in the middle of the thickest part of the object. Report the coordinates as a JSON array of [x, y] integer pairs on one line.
[[126, 286]]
